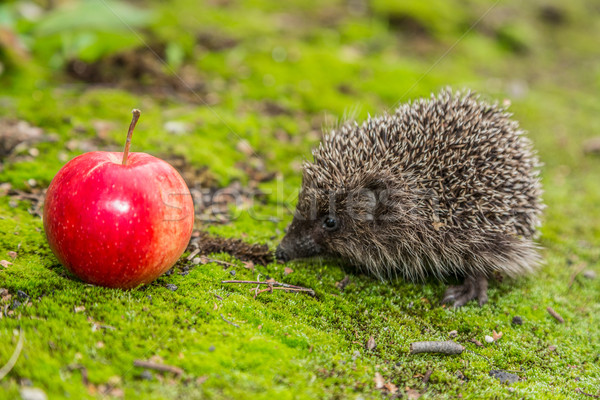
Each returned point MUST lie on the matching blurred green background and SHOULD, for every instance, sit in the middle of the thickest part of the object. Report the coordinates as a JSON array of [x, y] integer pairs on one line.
[[237, 93]]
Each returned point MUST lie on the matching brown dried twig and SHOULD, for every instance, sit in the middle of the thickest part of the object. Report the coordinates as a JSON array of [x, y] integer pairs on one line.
[[229, 322], [555, 315], [275, 286], [595, 396], [158, 367], [443, 347]]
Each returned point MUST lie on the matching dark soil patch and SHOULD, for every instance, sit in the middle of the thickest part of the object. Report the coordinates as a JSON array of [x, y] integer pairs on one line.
[[142, 69], [214, 41], [15, 134], [206, 244]]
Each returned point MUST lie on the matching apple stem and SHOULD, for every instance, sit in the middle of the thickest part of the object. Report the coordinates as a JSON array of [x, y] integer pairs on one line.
[[134, 120]]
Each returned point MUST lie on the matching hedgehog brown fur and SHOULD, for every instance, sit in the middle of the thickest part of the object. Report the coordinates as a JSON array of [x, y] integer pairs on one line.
[[447, 186]]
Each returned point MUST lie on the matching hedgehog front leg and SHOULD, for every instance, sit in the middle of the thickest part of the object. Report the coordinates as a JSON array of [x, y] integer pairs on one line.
[[474, 287]]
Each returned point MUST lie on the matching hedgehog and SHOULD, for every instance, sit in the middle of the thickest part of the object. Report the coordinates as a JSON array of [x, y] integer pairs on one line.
[[446, 187]]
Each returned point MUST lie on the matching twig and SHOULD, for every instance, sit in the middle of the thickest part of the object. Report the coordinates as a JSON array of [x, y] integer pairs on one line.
[[219, 262], [555, 315], [13, 359], [277, 285], [596, 396], [193, 254], [229, 322], [83, 370], [427, 376], [481, 355], [445, 347], [574, 275], [158, 367]]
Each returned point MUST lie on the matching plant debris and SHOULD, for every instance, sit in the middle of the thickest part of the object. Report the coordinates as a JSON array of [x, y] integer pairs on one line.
[[442, 347], [504, 376], [158, 367], [343, 283], [555, 315], [595, 396], [272, 285], [371, 343], [229, 322], [34, 195], [142, 69], [16, 134], [206, 244]]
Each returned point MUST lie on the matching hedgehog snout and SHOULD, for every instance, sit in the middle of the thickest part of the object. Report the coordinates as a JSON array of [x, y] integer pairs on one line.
[[297, 245], [281, 255]]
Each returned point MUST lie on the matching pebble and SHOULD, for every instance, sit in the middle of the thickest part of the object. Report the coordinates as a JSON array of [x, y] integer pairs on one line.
[[170, 286], [146, 375], [517, 320], [29, 393], [211, 348], [453, 333], [232, 272], [589, 274], [489, 339], [22, 295]]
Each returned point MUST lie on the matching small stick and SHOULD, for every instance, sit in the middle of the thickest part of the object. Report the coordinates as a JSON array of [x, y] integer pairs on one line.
[[595, 396], [13, 359], [134, 120], [427, 376], [83, 370], [158, 367], [281, 286], [574, 275], [229, 322], [193, 254], [445, 347], [555, 315]]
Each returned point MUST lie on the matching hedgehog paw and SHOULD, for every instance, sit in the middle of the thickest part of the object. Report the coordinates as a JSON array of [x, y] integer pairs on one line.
[[474, 287]]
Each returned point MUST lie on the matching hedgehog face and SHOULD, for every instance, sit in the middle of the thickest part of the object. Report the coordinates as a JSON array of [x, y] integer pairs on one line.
[[337, 223]]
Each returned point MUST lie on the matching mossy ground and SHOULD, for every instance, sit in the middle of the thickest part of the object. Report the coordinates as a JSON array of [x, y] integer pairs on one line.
[[317, 60]]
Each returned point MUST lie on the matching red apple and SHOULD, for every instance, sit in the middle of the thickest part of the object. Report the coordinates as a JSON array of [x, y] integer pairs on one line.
[[118, 219]]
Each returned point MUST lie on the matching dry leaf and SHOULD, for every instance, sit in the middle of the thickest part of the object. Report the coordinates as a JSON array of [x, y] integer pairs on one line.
[[248, 265], [12, 254], [391, 387], [287, 271], [412, 394], [371, 343], [79, 309], [379, 382], [5, 263], [496, 335]]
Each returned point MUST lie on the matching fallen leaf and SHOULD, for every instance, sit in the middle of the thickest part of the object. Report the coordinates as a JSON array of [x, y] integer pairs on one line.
[[287, 271], [496, 335], [12, 254], [248, 265], [379, 382], [5, 263], [79, 309], [371, 343], [391, 387], [412, 394]]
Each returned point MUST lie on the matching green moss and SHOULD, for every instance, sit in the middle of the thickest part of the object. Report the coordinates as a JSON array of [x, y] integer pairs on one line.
[[318, 62]]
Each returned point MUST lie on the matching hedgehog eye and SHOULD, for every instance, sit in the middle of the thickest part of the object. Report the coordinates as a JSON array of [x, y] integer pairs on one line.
[[330, 223]]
